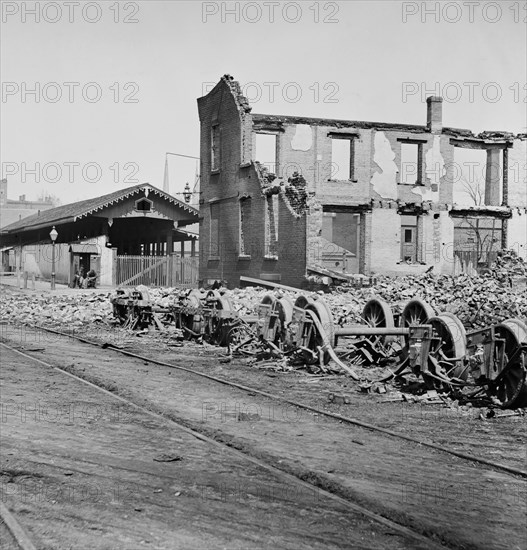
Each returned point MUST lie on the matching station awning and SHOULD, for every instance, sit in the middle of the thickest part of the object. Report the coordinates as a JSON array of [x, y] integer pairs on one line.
[[84, 249]]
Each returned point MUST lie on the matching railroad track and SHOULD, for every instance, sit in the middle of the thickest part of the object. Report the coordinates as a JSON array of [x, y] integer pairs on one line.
[[345, 419], [24, 542], [20, 536]]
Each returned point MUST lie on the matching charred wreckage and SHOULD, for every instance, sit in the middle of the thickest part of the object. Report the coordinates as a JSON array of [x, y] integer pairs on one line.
[[433, 345]]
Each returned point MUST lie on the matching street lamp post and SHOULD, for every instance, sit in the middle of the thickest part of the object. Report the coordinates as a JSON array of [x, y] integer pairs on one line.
[[53, 235], [187, 194]]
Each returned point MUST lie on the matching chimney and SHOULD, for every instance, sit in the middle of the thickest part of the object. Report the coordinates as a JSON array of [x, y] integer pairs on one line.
[[434, 114], [22, 198]]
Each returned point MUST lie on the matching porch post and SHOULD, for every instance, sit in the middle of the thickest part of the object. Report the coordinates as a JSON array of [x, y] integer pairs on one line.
[[170, 268], [114, 266], [72, 269], [170, 243]]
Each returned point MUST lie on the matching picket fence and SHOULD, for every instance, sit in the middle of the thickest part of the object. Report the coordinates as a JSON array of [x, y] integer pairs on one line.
[[167, 271]]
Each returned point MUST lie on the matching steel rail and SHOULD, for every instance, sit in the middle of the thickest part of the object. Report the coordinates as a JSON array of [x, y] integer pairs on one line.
[[17, 531]]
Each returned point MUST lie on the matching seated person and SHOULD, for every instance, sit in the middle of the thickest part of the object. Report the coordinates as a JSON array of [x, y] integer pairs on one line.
[[78, 278], [90, 280]]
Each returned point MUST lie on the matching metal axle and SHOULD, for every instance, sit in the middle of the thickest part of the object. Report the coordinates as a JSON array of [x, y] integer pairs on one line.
[[361, 330]]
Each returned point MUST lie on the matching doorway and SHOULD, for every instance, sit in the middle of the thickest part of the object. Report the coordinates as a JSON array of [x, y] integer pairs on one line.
[[341, 241]]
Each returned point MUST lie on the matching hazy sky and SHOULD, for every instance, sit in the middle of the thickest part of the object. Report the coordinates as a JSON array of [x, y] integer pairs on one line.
[[113, 96]]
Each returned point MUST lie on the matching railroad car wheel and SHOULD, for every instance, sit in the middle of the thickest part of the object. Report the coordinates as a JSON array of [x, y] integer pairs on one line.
[[121, 309], [302, 301], [323, 313], [451, 345], [416, 312], [222, 301], [326, 318], [518, 327], [284, 308], [511, 386], [120, 312], [216, 330], [268, 299], [192, 322], [271, 301], [142, 294], [377, 313]]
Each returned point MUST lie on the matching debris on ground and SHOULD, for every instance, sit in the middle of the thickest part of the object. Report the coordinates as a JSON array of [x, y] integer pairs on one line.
[[167, 458], [339, 399], [498, 293], [56, 310], [492, 413], [478, 301]]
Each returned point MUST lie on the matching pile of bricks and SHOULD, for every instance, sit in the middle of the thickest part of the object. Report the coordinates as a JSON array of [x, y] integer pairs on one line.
[[509, 264], [477, 301], [71, 311], [511, 270]]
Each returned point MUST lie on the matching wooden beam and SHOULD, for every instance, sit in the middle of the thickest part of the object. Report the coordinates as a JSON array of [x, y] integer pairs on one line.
[[261, 282]]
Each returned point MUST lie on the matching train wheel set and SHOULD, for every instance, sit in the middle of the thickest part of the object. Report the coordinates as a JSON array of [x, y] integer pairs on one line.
[[433, 345]]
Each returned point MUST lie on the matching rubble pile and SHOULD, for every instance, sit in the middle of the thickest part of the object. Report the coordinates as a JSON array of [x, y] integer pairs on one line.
[[162, 297], [56, 311], [245, 301], [507, 265], [477, 301]]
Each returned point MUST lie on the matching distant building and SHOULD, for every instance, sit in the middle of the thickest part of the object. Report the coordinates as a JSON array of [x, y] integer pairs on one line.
[[13, 210]]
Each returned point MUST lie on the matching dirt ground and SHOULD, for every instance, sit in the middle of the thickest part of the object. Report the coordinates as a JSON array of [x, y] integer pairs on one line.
[[466, 505], [81, 471]]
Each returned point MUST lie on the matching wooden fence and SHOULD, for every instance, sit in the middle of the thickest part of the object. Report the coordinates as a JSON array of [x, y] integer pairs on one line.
[[164, 271]]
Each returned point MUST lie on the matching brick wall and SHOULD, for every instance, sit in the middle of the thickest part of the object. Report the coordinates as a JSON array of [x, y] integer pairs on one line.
[[235, 179], [380, 229]]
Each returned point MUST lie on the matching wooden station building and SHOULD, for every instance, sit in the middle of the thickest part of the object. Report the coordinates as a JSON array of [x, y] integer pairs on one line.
[[131, 236]]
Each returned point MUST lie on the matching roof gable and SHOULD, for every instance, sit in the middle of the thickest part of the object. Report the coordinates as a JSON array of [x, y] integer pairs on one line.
[[77, 210]]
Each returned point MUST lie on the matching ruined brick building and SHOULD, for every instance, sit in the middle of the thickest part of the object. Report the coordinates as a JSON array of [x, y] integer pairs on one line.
[[285, 196]]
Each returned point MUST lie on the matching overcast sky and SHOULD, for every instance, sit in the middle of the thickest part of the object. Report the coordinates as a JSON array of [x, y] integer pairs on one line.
[[135, 70]]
